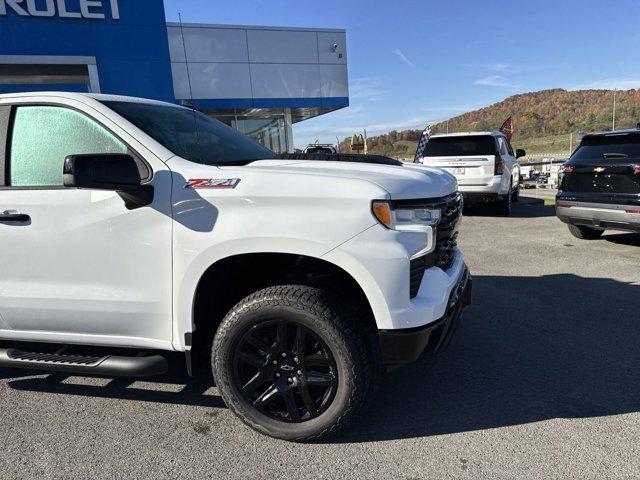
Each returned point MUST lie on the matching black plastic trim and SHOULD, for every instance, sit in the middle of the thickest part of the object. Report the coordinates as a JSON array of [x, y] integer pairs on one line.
[[480, 197], [403, 346], [604, 198], [108, 365], [600, 224], [400, 347], [188, 343], [138, 198], [5, 120], [340, 157], [426, 202]]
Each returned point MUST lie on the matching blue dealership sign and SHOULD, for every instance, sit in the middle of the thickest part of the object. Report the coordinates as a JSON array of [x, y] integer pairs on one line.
[[88, 9], [127, 38]]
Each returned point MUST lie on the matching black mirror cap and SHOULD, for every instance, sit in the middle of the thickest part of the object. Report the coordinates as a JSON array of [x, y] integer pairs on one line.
[[113, 171], [520, 152]]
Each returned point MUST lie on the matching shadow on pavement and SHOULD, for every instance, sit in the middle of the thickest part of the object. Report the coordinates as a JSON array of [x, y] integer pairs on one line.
[[190, 391], [528, 350], [630, 239], [529, 208]]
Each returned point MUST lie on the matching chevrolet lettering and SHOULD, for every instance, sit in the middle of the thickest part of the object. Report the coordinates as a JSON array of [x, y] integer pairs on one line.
[[88, 9]]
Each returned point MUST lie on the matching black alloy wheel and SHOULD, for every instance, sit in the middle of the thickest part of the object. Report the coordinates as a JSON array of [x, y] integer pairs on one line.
[[285, 370], [291, 362]]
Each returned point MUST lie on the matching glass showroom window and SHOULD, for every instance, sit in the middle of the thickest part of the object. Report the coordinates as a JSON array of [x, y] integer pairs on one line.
[[270, 132], [266, 127]]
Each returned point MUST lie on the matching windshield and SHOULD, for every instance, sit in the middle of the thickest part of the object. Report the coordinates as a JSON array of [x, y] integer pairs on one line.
[[460, 146], [608, 147], [191, 134]]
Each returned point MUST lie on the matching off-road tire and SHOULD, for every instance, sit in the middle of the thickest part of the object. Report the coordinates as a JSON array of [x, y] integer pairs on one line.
[[515, 196], [324, 315], [503, 207], [585, 233]]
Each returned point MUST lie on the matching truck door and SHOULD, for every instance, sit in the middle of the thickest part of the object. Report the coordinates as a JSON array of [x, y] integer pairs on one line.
[[77, 265]]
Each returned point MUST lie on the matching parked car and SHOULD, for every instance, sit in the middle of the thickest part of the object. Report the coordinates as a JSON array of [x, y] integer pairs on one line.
[[600, 186], [133, 228], [320, 148], [484, 164]]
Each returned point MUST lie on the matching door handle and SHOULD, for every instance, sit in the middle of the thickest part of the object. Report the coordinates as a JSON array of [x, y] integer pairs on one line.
[[11, 216]]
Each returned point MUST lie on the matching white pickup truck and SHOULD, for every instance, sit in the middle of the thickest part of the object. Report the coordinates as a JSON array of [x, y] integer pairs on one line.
[[132, 228]]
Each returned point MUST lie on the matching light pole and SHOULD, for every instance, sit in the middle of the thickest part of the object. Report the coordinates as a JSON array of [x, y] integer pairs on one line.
[[613, 125], [570, 143]]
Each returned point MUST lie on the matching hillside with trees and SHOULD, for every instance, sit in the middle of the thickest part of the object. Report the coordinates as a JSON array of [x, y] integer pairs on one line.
[[544, 120]]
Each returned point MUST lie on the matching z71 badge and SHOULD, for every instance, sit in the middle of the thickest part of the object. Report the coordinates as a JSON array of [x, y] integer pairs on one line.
[[197, 183]]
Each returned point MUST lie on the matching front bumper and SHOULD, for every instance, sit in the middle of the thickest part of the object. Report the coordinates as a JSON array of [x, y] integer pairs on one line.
[[399, 347], [379, 260], [599, 215]]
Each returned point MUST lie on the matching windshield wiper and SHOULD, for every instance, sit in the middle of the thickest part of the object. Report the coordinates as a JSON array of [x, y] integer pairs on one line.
[[615, 155]]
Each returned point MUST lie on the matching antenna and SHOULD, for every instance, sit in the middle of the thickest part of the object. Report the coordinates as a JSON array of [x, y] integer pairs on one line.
[[186, 62]]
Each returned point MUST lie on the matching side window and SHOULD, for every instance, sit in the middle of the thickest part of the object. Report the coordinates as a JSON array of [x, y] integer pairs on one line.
[[510, 149], [502, 146], [42, 137]]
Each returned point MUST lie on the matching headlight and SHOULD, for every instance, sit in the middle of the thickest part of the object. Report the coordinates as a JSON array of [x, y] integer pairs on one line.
[[407, 219]]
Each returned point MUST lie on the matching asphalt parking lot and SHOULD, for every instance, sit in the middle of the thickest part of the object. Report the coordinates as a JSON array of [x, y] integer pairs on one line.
[[541, 381]]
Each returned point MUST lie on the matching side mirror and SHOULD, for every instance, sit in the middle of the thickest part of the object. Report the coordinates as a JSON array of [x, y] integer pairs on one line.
[[115, 172], [520, 153]]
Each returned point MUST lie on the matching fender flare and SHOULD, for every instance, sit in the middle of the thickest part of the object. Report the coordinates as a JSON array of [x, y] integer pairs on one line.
[[185, 291]]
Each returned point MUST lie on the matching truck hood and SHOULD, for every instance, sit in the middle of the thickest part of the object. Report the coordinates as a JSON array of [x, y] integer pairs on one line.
[[401, 182]]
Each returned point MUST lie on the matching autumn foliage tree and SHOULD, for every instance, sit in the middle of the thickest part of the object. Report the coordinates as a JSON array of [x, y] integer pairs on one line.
[[536, 114]]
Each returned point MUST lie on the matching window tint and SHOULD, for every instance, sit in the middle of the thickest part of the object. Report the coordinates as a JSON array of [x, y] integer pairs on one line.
[[510, 149], [502, 146], [601, 147], [192, 135], [460, 146], [43, 136]]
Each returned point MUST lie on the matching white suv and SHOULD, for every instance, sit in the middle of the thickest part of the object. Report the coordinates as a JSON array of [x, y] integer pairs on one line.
[[484, 164], [131, 228]]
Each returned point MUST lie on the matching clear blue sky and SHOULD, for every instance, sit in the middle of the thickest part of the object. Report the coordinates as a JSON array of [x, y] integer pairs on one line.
[[411, 62]]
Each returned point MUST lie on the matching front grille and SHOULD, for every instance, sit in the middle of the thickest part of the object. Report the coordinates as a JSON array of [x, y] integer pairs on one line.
[[417, 266], [452, 212], [446, 237], [445, 251]]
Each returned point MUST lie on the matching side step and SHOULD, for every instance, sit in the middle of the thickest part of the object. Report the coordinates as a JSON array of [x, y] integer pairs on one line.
[[108, 365]]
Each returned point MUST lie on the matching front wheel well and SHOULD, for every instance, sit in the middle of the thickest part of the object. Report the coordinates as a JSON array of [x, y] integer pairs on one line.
[[230, 280]]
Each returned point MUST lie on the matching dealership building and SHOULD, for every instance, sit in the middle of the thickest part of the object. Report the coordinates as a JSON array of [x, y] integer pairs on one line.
[[259, 80]]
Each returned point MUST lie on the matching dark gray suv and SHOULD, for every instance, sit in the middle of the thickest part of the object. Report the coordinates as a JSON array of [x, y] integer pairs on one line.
[[600, 187]]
